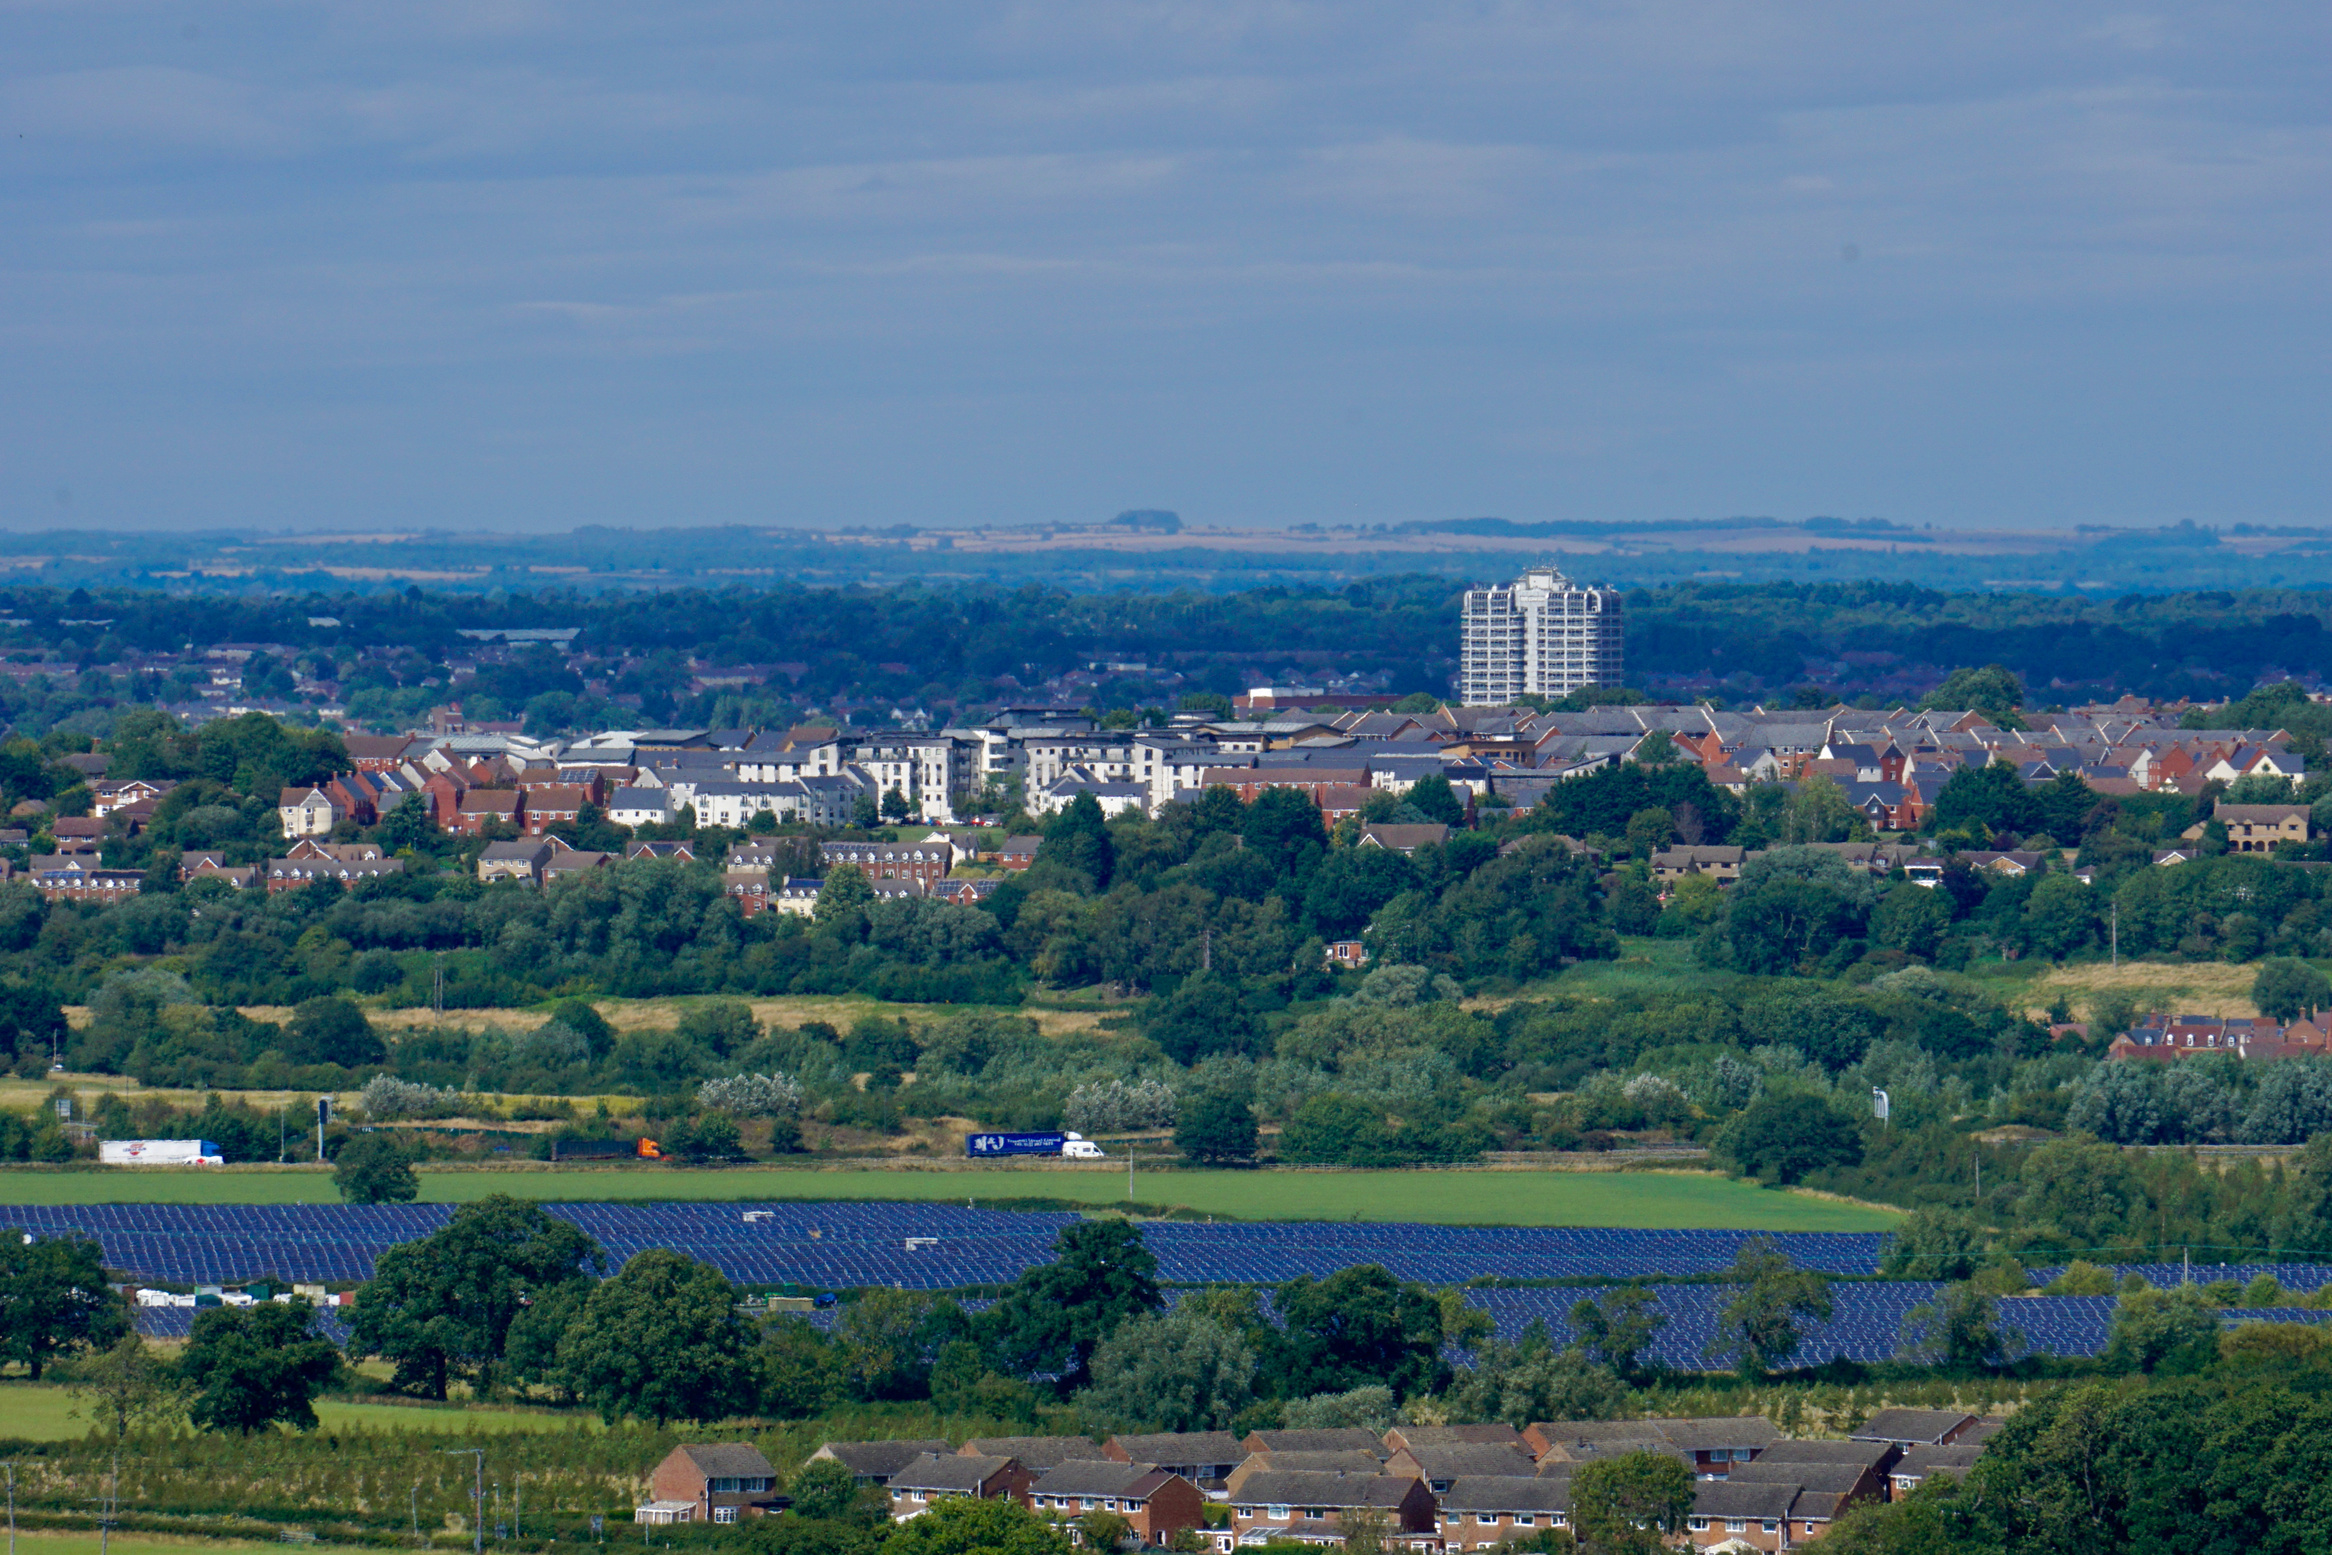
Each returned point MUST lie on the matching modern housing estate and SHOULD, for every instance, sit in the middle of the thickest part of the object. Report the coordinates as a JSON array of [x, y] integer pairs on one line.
[[1541, 634]]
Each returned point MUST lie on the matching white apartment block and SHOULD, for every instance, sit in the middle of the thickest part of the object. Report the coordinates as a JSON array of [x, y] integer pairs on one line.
[[936, 771], [1542, 633]]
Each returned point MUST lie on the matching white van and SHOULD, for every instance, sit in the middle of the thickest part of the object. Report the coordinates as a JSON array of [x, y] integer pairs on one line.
[[1078, 1148]]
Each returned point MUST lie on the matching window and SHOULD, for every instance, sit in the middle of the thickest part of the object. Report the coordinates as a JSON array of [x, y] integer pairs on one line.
[[724, 1514], [1698, 1524], [1110, 1505], [1736, 1525], [1525, 1520], [1768, 1525], [1453, 1518], [1720, 1455], [1561, 1519], [1486, 1519], [1278, 1514]]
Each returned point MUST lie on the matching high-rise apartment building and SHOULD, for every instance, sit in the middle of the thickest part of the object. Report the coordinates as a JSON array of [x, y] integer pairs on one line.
[[1541, 633]]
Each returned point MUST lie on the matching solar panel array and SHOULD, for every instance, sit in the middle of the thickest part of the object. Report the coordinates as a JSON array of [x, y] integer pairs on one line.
[[915, 1246], [2291, 1276]]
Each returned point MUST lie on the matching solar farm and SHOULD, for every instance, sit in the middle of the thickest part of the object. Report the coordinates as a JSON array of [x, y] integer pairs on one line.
[[936, 1247]]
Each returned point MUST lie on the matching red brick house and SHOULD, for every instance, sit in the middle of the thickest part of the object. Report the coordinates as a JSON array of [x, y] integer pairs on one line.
[[547, 804], [1311, 1508], [714, 1482], [1481, 1510], [1157, 1502], [936, 1476], [480, 806]]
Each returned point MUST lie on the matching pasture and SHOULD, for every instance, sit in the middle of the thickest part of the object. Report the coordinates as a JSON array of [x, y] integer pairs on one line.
[[43, 1412], [1642, 1200]]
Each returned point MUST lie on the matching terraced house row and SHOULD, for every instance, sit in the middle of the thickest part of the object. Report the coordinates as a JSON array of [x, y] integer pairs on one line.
[[1429, 1489]]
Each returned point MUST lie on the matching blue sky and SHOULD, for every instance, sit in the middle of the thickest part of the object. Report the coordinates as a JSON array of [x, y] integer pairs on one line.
[[516, 263]]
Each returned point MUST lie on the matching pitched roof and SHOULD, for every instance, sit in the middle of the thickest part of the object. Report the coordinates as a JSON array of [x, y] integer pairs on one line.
[[1744, 1498], [1181, 1447], [1495, 1434], [1091, 1477], [1828, 1478], [1506, 1493], [1350, 1461], [1912, 1425], [1036, 1452], [1455, 1460], [1280, 1487], [948, 1471], [728, 1460], [1923, 1460], [881, 1459], [1861, 1454], [1331, 1439]]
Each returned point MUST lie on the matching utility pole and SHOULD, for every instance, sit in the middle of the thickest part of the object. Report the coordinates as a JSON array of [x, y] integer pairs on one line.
[[2117, 932], [12, 1506], [416, 1501], [1129, 1171], [112, 1496], [477, 1497]]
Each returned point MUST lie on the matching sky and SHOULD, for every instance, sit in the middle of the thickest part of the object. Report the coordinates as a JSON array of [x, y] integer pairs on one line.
[[487, 264]]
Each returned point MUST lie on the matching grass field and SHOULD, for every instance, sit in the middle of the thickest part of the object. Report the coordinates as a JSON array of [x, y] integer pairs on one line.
[[43, 1413], [1639, 1200], [31, 1542]]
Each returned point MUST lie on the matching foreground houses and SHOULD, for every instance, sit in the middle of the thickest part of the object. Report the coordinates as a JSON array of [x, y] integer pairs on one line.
[[710, 1483], [1755, 1488]]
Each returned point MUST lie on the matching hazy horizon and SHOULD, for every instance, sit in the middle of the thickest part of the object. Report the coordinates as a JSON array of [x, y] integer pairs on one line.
[[521, 267]]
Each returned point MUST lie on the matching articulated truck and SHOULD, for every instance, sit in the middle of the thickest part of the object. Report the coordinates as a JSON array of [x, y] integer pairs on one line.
[[1075, 1147], [159, 1152]]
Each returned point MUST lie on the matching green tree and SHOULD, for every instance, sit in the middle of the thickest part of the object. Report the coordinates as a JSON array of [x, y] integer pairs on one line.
[[1078, 839], [444, 1304], [1960, 1328], [1758, 1329], [897, 806], [1649, 830], [1214, 1128], [55, 1299], [1934, 1244], [800, 1370], [660, 1341], [1205, 1015], [2174, 1331], [2305, 1224], [844, 897], [1988, 798], [1993, 691], [1432, 797], [963, 1525], [1785, 1137], [1179, 1372], [1616, 1328], [124, 1388], [1357, 1327], [826, 1491], [248, 1368], [1532, 1380], [1630, 1505], [1818, 810], [410, 824], [375, 1169], [1911, 918], [2288, 989], [1055, 1314], [332, 1030], [1284, 829], [2060, 917], [2078, 1194]]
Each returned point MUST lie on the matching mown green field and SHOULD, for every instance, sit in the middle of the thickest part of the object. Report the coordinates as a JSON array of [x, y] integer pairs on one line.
[[1638, 1200], [41, 1412]]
